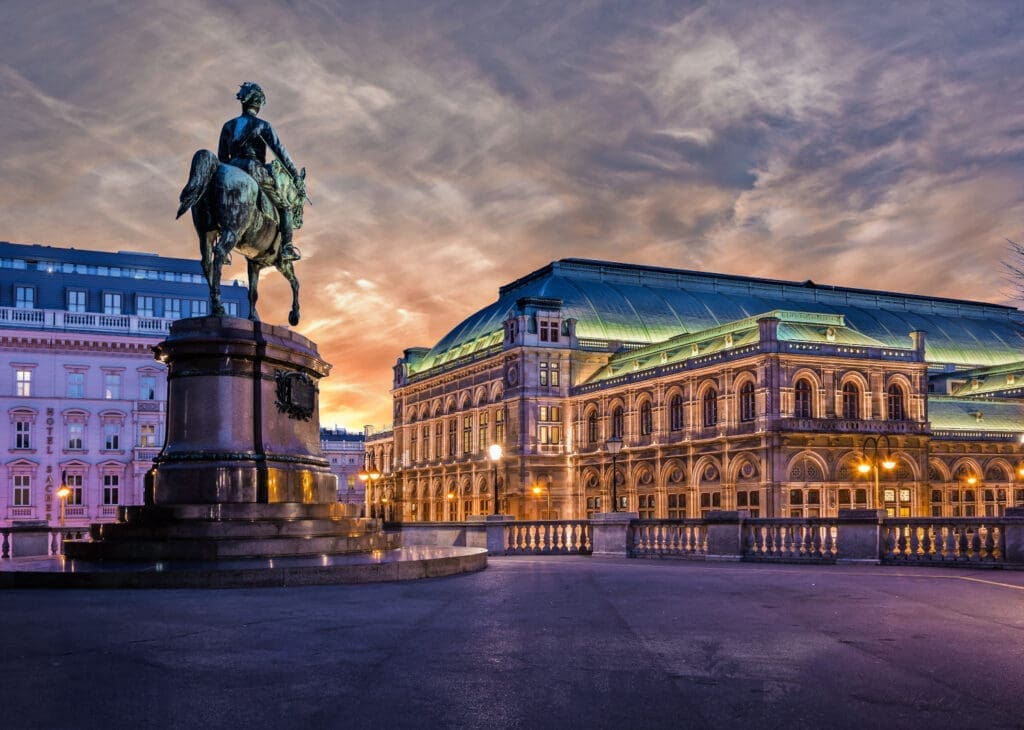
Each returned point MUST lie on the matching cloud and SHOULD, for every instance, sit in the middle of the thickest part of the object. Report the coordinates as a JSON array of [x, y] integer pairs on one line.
[[454, 146]]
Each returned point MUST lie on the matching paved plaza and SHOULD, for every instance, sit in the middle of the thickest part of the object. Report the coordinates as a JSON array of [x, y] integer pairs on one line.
[[530, 643]]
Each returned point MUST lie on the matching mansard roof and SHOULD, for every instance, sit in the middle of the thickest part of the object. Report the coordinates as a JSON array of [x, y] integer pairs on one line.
[[643, 305]]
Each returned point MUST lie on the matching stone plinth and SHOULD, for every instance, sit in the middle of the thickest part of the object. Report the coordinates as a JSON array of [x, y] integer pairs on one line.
[[242, 416], [610, 533], [859, 536], [725, 534]]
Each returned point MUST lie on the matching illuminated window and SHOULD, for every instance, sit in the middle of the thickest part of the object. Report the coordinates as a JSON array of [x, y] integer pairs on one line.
[[147, 435], [467, 434], [438, 438], [676, 506], [23, 382], [112, 386], [76, 300], [453, 439], [172, 308], [76, 435], [483, 433], [76, 384], [73, 481], [25, 297], [499, 426], [111, 302], [145, 306]]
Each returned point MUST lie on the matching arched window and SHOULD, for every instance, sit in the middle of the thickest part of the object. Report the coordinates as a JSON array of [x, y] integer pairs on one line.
[[802, 399], [675, 413], [646, 419], [894, 403], [617, 421], [710, 407], [748, 408], [851, 401], [592, 428]]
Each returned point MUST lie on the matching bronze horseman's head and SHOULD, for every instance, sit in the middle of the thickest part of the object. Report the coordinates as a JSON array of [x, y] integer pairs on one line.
[[251, 96]]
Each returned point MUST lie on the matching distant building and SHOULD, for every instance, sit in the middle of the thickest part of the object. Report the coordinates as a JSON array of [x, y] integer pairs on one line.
[[344, 451], [784, 399], [82, 395]]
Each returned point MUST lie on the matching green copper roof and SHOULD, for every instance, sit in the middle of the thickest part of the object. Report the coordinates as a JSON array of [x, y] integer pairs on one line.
[[948, 413], [646, 305]]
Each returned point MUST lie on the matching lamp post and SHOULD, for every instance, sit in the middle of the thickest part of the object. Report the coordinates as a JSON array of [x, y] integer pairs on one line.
[[63, 493], [537, 489], [871, 463], [614, 445], [494, 451], [370, 476]]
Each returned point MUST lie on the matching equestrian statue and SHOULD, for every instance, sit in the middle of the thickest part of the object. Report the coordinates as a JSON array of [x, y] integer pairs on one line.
[[239, 202]]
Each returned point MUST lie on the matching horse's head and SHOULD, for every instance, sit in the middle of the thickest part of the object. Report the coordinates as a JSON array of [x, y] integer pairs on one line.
[[296, 198]]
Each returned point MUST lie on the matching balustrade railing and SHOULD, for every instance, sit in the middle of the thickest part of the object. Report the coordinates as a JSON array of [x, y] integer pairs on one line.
[[667, 539], [932, 540], [548, 537], [29, 539], [790, 539]]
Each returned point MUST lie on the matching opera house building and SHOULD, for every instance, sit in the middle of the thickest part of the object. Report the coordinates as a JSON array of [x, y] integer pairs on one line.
[[592, 386]]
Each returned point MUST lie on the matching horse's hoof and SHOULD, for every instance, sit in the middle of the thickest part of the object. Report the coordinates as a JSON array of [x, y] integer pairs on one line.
[[293, 318]]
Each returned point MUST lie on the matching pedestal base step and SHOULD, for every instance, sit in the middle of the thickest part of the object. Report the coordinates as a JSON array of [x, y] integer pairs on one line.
[[408, 563]]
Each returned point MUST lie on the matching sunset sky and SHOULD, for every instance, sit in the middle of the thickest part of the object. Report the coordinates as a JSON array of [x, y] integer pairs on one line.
[[454, 146]]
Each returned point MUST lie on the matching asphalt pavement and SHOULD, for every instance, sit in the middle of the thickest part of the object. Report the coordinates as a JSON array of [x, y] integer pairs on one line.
[[552, 642]]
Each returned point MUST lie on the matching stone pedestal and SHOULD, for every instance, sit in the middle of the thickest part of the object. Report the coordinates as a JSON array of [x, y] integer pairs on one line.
[[496, 533], [1014, 527], [610, 533], [242, 416], [859, 535], [725, 534]]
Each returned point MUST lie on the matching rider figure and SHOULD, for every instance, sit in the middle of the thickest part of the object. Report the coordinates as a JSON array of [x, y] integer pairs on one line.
[[243, 143]]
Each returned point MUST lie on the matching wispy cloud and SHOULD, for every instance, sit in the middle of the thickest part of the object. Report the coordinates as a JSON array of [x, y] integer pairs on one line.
[[452, 146]]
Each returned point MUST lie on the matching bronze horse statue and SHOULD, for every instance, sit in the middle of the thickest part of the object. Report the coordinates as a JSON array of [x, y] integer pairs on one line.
[[230, 213]]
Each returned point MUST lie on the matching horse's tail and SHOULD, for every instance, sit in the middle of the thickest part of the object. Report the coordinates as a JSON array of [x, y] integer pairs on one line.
[[204, 165]]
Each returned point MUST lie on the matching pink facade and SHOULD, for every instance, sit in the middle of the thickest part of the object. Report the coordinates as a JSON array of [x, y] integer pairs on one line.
[[83, 409]]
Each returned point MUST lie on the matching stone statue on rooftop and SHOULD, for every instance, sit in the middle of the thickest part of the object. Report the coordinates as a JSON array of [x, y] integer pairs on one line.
[[239, 202]]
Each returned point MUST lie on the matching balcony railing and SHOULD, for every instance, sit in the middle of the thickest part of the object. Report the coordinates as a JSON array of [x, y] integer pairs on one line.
[[548, 537], [924, 540], [57, 319]]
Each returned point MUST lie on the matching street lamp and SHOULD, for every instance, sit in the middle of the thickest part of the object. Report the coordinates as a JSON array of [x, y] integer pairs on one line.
[[537, 489], [63, 493], [614, 445], [494, 452], [872, 463], [370, 475]]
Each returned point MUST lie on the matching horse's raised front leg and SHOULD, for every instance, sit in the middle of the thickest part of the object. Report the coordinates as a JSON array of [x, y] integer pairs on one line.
[[254, 280], [286, 268]]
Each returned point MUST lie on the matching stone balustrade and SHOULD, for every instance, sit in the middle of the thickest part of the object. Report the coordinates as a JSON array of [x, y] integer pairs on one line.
[[925, 540], [791, 539], [668, 538], [548, 537], [37, 540]]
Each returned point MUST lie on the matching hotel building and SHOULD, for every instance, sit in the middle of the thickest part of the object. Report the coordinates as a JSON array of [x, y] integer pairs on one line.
[[82, 397]]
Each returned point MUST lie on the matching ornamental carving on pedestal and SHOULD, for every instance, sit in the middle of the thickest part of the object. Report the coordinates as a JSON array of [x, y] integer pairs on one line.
[[296, 394]]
